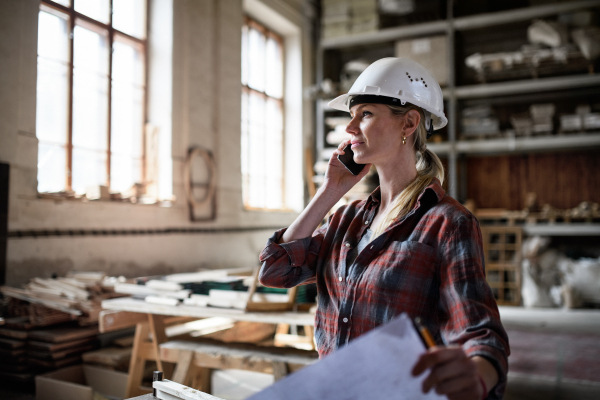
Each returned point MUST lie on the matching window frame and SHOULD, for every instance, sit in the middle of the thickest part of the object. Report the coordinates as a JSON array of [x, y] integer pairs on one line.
[[251, 23], [113, 35]]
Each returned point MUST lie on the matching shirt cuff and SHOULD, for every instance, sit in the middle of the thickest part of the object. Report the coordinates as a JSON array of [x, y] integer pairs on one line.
[[272, 247], [495, 357], [295, 249]]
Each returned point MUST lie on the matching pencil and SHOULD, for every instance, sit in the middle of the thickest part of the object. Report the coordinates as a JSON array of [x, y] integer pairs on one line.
[[425, 334]]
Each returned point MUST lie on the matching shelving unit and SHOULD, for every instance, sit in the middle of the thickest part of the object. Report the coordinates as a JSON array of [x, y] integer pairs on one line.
[[453, 148], [512, 145]]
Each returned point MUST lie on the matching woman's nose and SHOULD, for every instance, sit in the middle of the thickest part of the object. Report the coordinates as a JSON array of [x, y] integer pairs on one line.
[[352, 127]]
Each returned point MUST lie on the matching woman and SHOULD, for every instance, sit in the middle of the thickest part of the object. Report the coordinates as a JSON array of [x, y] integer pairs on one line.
[[407, 248]]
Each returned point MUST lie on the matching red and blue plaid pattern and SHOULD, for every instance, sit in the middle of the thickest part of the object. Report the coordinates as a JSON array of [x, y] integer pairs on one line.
[[428, 264]]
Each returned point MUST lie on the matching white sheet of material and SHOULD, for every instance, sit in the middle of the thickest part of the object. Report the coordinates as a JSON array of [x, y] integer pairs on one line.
[[375, 366]]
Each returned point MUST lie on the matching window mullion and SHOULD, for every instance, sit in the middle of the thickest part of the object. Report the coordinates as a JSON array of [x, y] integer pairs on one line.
[[69, 149], [109, 113]]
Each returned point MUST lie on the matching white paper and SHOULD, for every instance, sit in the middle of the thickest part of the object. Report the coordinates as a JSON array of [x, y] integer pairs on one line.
[[375, 366]]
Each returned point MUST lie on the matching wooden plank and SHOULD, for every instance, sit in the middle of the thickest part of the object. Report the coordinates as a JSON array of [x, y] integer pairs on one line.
[[109, 320], [115, 357], [238, 356], [14, 367], [183, 367], [54, 363], [44, 346], [244, 331], [126, 341], [11, 343], [16, 377], [18, 323], [8, 353], [129, 304], [139, 355], [58, 355], [159, 336], [59, 335], [13, 333]]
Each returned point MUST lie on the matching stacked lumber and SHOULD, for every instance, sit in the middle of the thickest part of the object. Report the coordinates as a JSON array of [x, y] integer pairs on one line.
[[115, 357], [25, 351], [45, 302], [225, 288]]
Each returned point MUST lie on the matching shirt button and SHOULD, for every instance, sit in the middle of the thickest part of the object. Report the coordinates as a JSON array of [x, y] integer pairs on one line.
[[345, 319], [367, 222], [347, 244], [341, 279]]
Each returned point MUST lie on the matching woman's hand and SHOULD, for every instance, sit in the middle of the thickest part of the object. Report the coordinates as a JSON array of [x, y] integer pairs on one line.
[[452, 373], [337, 178]]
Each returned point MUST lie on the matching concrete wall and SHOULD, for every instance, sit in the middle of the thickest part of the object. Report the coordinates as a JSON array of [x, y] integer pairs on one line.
[[194, 97]]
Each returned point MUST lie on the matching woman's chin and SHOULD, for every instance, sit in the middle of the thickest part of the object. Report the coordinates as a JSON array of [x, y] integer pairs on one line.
[[360, 159]]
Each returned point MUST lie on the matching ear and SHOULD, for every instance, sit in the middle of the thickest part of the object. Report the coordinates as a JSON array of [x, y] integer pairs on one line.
[[411, 121]]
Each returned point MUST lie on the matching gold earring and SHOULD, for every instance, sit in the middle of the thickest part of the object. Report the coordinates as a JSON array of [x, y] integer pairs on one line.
[[403, 139]]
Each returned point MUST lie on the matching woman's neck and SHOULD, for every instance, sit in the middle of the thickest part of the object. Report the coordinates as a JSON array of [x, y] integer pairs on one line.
[[394, 178]]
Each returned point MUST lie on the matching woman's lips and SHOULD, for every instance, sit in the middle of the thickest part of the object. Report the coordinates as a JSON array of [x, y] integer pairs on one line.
[[356, 144]]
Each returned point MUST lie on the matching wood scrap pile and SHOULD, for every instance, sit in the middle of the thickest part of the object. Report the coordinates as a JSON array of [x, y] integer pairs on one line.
[[45, 302], [25, 351], [225, 288]]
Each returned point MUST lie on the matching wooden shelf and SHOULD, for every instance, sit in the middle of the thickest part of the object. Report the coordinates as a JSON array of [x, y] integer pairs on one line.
[[459, 24], [563, 229], [525, 86], [521, 145]]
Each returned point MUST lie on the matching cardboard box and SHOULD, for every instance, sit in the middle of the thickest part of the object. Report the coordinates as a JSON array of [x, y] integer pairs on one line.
[[79, 382]]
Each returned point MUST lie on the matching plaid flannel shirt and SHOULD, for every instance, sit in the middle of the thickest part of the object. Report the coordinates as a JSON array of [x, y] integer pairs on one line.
[[428, 264]]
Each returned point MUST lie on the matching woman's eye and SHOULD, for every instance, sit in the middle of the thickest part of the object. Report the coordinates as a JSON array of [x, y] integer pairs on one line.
[[365, 113]]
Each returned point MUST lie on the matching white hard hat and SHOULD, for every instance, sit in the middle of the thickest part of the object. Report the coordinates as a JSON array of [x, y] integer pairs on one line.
[[402, 80]]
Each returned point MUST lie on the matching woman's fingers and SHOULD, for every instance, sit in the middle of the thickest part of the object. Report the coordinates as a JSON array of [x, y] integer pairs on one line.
[[436, 355], [461, 383], [443, 372], [452, 372]]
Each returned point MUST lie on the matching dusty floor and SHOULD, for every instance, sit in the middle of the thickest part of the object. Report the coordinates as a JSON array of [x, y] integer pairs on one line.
[[548, 366]]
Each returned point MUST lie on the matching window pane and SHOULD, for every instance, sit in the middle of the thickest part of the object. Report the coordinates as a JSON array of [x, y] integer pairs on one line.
[[274, 149], [128, 66], [52, 167], [274, 69], [129, 16], [127, 120], [90, 51], [124, 172], [256, 63], [90, 111], [256, 150], [89, 169], [90, 90], [245, 55], [53, 37], [96, 9], [244, 133], [66, 3], [52, 79]]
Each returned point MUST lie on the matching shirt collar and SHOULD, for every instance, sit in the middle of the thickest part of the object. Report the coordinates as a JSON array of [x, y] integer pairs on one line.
[[375, 197]]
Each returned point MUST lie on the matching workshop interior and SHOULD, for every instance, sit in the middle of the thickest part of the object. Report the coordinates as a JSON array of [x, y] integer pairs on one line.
[[154, 152]]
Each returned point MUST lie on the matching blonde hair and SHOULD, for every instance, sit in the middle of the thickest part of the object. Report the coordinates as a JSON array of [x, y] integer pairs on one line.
[[428, 166]]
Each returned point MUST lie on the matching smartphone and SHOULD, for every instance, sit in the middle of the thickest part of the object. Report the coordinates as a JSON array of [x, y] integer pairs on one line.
[[347, 159]]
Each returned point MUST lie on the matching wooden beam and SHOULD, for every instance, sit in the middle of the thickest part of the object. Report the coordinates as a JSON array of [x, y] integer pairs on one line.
[[115, 320]]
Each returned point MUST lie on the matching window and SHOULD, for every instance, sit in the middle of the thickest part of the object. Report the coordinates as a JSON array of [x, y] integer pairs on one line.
[[262, 118], [91, 94]]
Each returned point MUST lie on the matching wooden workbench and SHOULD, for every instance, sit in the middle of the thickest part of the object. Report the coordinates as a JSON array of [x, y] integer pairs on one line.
[[151, 320], [270, 317]]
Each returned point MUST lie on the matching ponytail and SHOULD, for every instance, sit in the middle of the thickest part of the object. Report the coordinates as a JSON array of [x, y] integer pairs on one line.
[[428, 167]]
